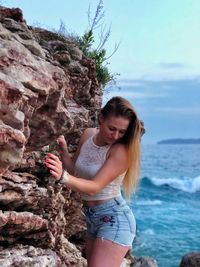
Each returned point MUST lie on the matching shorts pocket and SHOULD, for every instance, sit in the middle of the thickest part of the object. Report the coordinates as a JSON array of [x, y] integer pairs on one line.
[[119, 207], [131, 220]]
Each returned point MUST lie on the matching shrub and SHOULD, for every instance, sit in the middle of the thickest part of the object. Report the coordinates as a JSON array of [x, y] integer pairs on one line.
[[86, 42]]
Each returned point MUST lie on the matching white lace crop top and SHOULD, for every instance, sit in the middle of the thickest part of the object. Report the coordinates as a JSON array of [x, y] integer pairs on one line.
[[89, 161]]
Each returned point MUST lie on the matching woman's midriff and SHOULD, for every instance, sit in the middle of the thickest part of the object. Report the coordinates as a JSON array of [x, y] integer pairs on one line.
[[93, 203]]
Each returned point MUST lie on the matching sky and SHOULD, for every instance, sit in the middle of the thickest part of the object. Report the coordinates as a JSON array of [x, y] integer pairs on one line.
[[157, 59]]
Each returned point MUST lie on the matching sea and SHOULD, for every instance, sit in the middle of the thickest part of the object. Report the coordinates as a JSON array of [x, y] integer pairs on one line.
[[167, 203]]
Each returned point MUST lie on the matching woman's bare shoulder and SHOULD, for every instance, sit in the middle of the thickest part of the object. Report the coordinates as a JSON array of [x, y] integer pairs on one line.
[[119, 149], [118, 153]]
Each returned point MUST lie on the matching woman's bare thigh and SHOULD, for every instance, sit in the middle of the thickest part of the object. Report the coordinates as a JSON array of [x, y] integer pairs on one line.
[[106, 253]]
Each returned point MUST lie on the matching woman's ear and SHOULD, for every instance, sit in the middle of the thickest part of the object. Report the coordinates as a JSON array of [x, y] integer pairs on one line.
[[100, 118]]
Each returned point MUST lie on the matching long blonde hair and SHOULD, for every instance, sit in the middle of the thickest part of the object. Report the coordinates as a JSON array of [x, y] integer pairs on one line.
[[119, 106]]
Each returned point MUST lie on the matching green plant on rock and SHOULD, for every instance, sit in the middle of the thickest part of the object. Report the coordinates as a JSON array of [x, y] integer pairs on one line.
[[86, 43], [98, 54], [103, 74]]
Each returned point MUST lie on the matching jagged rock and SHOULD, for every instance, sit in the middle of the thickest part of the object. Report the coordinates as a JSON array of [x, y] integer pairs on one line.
[[47, 88], [191, 260], [21, 191], [12, 143], [14, 13], [126, 263], [18, 225], [24, 256], [143, 262], [40, 86], [71, 255]]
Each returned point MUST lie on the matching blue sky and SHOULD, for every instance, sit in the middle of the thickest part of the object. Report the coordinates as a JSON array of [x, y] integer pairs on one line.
[[158, 56]]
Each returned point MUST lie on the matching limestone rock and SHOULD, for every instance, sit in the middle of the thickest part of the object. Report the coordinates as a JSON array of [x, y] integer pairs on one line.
[[24, 256], [191, 260], [143, 262], [47, 88], [12, 145], [41, 86], [126, 263], [14, 13]]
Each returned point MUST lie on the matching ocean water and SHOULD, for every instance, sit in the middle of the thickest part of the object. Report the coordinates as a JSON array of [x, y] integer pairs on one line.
[[167, 203]]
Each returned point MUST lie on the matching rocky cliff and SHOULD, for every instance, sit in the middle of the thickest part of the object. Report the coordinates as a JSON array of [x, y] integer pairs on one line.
[[47, 88]]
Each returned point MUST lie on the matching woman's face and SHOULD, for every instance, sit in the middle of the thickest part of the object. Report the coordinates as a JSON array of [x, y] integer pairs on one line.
[[113, 128]]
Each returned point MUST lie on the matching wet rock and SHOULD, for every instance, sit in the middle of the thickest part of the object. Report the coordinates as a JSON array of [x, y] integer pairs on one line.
[[143, 262], [191, 260]]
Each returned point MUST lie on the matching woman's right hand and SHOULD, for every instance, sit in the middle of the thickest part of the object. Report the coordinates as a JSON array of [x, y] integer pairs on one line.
[[55, 165]]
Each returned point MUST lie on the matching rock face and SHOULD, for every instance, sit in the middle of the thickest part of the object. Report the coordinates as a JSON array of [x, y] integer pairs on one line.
[[191, 260], [143, 262], [47, 88]]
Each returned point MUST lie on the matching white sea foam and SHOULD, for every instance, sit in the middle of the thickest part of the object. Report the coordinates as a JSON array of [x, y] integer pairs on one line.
[[196, 184], [148, 231], [190, 185], [149, 202]]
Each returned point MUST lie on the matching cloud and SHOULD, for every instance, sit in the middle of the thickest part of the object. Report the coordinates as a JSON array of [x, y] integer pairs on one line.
[[130, 83], [153, 82], [172, 65], [163, 71], [161, 97], [132, 95]]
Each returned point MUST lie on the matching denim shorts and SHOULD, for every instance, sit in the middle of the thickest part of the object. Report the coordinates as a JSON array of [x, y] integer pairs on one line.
[[112, 220]]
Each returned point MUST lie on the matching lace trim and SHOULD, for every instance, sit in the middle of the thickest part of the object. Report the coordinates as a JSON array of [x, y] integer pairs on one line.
[[96, 155]]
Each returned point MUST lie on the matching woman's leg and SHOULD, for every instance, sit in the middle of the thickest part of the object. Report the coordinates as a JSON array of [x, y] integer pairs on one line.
[[106, 253], [88, 248]]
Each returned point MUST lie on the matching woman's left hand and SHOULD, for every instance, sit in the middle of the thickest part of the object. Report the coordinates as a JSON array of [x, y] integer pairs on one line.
[[55, 165]]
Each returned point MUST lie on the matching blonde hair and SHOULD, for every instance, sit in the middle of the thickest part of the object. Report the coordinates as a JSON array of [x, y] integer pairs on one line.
[[119, 106], [132, 174]]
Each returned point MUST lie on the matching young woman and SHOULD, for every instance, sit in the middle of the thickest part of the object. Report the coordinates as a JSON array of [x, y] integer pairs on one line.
[[105, 158]]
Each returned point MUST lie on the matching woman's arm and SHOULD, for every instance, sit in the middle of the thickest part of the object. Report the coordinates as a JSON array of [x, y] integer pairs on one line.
[[68, 161], [115, 165]]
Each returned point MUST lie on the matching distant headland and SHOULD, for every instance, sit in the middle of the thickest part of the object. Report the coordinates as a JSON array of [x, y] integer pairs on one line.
[[179, 141]]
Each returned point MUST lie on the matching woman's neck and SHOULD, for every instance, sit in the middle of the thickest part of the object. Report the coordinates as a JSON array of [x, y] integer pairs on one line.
[[98, 140]]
